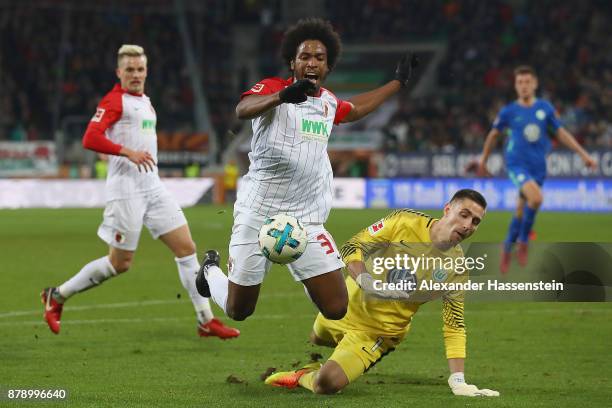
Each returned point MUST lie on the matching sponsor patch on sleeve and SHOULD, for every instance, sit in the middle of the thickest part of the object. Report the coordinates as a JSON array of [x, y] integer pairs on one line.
[[119, 237], [376, 227], [98, 115], [257, 88]]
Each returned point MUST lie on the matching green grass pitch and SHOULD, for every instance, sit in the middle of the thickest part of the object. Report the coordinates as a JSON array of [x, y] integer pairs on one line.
[[132, 341]]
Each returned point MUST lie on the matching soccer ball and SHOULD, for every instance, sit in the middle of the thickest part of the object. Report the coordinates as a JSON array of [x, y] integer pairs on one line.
[[282, 239]]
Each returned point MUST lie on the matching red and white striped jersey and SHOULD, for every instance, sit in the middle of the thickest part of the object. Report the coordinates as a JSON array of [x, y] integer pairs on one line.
[[124, 119], [289, 168]]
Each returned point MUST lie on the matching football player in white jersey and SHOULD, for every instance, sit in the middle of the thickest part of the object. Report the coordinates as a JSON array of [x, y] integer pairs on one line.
[[124, 128], [290, 172]]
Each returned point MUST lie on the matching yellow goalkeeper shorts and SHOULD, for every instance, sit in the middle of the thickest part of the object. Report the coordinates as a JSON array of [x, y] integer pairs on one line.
[[356, 350]]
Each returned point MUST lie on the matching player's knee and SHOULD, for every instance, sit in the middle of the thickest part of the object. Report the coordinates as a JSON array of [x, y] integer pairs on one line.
[[536, 201], [121, 260], [335, 311], [327, 383], [239, 313], [188, 248], [122, 266]]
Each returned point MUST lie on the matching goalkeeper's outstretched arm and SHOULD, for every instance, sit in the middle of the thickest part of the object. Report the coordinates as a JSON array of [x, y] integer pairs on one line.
[[454, 342]]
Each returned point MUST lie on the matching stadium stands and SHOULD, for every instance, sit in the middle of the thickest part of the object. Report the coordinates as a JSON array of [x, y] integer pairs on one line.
[[66, 69]]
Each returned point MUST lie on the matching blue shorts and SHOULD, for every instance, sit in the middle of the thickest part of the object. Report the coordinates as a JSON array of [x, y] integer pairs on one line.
[[521, 174]]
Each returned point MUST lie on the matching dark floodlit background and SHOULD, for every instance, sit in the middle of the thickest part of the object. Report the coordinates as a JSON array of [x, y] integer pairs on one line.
[[58, 57], [132, 341]]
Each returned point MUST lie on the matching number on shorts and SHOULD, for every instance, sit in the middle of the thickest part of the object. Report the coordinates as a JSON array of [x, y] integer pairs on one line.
[[325, 243]]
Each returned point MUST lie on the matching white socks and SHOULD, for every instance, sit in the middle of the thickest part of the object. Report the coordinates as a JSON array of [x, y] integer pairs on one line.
[[92, 274], [96, 272], [217, 281], [188, 267]]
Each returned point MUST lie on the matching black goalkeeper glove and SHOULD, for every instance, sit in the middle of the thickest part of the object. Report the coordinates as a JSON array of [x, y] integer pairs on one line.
[[406, 67], [296, 92]]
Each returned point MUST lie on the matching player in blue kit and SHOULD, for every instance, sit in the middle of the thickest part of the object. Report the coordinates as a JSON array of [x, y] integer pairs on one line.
[[529, 122]]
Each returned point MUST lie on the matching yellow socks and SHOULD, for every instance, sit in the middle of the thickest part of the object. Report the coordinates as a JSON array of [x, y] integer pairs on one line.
[[307, 380]]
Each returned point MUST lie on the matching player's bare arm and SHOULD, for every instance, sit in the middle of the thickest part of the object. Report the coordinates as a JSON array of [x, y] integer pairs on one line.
[[490, 142], [356, 268], [570, 141], [367, 102], [252, 106], [139, 158]]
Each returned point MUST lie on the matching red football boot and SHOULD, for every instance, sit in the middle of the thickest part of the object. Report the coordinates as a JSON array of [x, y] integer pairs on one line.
[[216, 328], [522, 252], [53, 309], [291, 379], [504, 265]]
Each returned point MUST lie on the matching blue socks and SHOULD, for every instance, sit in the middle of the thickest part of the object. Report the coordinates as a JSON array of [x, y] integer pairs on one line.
[[513, 233], [528, 220]]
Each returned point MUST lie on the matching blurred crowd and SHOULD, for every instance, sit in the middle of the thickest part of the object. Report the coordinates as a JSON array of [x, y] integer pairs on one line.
[[56, 62], [568, 43]]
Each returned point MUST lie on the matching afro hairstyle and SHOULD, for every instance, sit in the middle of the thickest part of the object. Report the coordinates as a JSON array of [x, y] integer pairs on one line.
[[311, 29]]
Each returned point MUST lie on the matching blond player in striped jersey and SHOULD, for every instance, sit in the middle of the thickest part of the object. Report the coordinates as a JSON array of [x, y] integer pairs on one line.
[[378, 320], [123, 127], [290, 172]]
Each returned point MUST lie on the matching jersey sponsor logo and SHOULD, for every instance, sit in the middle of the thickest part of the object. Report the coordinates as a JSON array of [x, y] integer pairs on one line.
[[439, 275], [257, 88], [532, 132], [376, 227], [97, 117], [148, 125], [314, 130], [540, 114], [407, 278]]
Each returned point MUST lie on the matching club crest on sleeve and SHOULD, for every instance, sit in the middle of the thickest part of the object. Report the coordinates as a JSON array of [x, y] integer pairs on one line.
[[376, 227], [257, 88], [119, 237], [98, 115]]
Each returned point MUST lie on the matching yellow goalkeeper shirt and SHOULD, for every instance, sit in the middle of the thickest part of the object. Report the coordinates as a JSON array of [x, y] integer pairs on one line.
[[405, 232]]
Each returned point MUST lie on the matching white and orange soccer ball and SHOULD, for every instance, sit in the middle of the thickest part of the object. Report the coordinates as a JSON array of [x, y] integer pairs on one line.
[[282, 239]]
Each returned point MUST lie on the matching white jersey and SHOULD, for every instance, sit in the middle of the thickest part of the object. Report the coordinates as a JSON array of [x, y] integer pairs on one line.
[[289, 168], [128, 120]]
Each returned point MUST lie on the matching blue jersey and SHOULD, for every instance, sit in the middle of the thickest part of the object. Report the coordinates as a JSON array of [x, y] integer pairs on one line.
[[528, 129]]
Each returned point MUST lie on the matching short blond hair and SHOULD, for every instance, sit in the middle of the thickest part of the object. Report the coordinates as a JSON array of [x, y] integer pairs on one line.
[[525, 70], [130, 50]]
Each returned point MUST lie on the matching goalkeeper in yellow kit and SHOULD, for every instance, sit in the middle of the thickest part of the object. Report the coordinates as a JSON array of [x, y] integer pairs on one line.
[[383, 298]]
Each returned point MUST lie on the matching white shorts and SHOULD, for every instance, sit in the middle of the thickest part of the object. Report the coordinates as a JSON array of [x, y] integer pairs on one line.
[[247, 266], [123, 219]]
